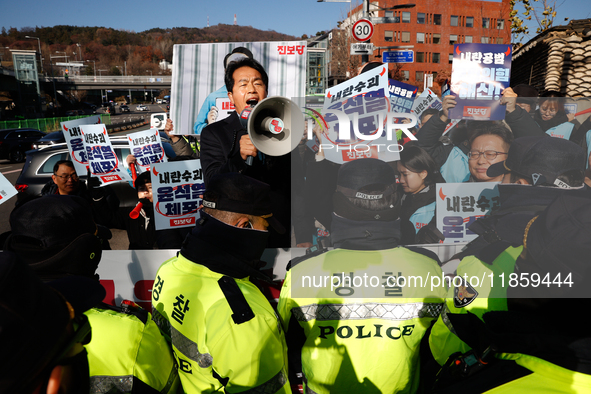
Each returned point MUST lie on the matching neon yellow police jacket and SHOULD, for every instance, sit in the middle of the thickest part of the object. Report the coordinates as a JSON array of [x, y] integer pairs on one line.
[[224, 333], [361, 336]]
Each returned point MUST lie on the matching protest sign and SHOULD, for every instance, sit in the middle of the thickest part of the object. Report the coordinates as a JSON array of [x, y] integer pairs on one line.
[[365, 127], [6, 189], [225, 108], [146, 147], [480, 72], [427, 99], [460, 204], [73, 136], [177, 187], [198, 70], [402, 95], [102, 159]]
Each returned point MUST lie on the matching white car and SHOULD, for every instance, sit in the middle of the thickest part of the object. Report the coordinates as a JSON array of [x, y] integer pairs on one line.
[[141, 107]]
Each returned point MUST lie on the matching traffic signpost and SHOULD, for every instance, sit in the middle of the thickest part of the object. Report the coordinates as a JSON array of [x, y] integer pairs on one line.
[[399, 56], [362, 30], [362, 48]]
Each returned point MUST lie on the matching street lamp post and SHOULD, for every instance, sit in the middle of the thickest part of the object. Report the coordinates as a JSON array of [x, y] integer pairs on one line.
[[151, 95], [40, 54]]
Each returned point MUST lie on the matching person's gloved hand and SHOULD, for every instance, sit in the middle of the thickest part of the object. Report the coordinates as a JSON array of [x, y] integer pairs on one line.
[[212, 115]]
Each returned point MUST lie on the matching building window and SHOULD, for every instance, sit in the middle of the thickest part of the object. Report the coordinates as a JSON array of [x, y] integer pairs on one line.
[[420, 38], [405, 36], [436, 38], [499, 40], [451, 58], [484, 40], [468, 39], [454, 20], [486, 23], [389, 36], [419, 75], [500, 24], [405, 75], [469, 21], [453, 39], [405, 17], [436, 57], [389, 14], [437, 19], [420, 57], [421, 18]]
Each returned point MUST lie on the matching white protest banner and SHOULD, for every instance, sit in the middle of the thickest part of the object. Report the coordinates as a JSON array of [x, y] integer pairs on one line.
[[198, 77], [177, 187], [102, 159], [427, 99], [146, 147], [366, 121], [73, 136], [460, 204], [225, 108], [6, 189]]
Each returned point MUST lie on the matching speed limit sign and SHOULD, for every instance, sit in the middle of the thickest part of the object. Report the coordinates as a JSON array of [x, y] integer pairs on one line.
[[362, 30]]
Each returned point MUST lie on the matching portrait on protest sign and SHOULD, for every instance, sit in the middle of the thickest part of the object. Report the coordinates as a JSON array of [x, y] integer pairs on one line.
[[177, 188], [73, 136], [198, 70], [479, 74]]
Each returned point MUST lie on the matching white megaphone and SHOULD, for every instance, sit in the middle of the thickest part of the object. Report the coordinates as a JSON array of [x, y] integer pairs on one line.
[[275, 126]]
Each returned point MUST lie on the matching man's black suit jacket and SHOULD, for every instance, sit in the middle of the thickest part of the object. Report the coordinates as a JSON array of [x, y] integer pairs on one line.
[[220, 153]]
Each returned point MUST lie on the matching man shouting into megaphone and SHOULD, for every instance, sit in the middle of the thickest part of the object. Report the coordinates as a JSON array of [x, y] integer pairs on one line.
[[226, 144]]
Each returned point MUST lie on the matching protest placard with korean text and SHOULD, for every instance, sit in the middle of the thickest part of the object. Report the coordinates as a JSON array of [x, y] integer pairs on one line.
[[73, 136], [177, 188], [460, 204], [6, 189], [427, 99], [364, 102], [102, 159], [480, 72], [146, 147], [402, 95]]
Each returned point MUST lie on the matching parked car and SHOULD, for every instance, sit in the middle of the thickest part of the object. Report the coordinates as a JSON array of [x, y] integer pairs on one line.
[[55, 137], [141, 107], [39, 163], [124, 108], [15, 142], [75, 112]]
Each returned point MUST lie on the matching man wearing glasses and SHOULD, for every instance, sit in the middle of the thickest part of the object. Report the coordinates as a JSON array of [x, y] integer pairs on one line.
[[535, 172], [102, 200]]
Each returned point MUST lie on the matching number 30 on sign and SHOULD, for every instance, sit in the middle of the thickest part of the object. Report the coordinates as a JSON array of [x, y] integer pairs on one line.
[[362, 30]]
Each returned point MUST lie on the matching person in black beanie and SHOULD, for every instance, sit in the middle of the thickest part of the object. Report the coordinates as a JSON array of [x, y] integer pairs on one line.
[[206, 296]]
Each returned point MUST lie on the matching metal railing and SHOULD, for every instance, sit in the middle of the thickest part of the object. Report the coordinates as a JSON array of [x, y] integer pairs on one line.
[[47, 125], [139, 79]]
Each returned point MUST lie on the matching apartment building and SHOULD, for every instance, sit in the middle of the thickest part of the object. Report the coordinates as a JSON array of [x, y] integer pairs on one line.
[[430, 28]]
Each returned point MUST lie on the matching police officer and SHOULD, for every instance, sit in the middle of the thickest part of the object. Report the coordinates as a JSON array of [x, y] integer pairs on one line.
[[537, 170], [56, 237], [225, 335], [360, 330], [42, 329], [522, 355]]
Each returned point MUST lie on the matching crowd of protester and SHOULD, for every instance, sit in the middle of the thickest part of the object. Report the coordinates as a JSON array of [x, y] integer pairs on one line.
[[211, 329]]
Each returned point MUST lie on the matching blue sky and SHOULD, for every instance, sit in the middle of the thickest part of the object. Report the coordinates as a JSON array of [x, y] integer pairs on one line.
[[295, 17]]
